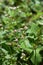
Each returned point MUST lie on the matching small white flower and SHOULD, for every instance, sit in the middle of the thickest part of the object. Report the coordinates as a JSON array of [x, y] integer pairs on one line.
[[16, 40], [25, 27], [15, 30], [13, 8]]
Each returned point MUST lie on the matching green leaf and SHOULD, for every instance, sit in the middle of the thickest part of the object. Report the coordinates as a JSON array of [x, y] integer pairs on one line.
[[34, 29], [25, 44], [36, 57]]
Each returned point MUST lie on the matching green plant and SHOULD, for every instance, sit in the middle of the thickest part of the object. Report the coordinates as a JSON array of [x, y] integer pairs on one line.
[[21, 32]]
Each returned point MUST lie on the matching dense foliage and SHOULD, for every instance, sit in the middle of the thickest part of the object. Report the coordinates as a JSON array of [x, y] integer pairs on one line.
[[21, 32]]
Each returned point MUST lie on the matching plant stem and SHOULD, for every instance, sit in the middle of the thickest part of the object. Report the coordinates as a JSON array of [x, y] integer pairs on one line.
[[35, 58]]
